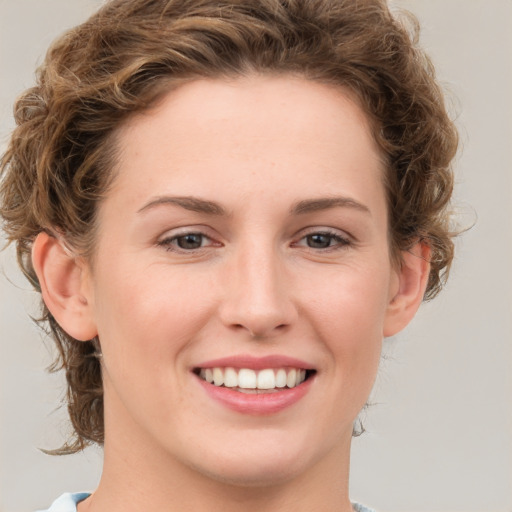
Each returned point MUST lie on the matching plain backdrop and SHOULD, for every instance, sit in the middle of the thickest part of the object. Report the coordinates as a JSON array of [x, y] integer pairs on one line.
[[439, 432]]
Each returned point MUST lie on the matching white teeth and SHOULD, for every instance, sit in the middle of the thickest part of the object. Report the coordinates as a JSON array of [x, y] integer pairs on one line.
[[281, 378], [266, 379], [247, 379], [218, 376], [292, 378], [230, 378]]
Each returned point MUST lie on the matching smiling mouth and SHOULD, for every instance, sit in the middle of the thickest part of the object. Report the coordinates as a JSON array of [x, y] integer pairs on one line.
[[247, 380]]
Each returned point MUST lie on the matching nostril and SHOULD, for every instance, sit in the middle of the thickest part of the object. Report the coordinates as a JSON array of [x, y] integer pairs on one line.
[[264, 332]]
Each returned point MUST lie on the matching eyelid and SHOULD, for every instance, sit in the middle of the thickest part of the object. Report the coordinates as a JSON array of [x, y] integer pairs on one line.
[[345, 238], [171, 235], [311, 230], [183, 230]]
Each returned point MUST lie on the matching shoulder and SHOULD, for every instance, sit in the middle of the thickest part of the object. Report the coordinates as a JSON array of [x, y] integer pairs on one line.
[[67, 502], [360, 508]]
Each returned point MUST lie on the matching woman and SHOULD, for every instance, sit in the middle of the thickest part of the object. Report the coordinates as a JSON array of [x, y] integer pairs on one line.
[[226, 207]]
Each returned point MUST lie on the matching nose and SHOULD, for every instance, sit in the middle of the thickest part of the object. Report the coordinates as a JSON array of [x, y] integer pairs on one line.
[[258, 293]]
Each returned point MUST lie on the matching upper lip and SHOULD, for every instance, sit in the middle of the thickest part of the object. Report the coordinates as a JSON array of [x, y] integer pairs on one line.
[[256, 363]]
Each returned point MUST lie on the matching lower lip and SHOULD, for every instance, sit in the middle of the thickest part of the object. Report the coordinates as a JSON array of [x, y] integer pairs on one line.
[[256, 404]]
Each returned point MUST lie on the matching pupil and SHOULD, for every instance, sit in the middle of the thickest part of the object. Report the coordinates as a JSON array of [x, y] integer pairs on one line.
[[319, 241], [190, 241]]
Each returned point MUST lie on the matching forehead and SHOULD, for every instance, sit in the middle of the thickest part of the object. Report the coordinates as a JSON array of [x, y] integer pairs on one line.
[[252, 100], [254, 130]]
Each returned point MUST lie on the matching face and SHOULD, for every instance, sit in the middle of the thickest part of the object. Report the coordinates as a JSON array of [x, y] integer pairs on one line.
[[242, 280]]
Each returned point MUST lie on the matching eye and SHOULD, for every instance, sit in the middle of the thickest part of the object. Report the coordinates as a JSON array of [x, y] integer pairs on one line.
[[190, 241], [185, 242], [324, 240]]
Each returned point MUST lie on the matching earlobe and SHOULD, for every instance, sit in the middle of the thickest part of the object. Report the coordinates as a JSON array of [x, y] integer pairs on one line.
[[62, 278], [412, 282]]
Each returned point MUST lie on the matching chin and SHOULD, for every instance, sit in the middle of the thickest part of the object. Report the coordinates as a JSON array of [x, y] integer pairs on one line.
[[245, 475], [270, 464]]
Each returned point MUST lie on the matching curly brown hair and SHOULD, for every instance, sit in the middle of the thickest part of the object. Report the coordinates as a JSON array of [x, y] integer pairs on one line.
[[59, 163]]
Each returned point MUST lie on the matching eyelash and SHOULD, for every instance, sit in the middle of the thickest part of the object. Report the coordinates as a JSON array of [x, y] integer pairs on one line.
[[340, 242], [171, 243]]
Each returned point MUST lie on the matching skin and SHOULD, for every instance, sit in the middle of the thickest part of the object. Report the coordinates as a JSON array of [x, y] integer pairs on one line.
[[256, 147]]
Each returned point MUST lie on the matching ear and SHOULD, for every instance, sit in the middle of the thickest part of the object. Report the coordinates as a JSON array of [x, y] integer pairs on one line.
[[63, 279], [411, 284]]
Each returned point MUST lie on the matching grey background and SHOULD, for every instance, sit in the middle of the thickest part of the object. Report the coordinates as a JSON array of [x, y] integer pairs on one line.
[[439, 435]]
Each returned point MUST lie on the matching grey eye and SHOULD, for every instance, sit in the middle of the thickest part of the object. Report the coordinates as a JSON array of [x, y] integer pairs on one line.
[[320, 240], [190, 241]]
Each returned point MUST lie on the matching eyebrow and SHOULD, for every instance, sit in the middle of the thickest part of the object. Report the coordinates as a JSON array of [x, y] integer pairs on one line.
[[325, 203], [193, 204]]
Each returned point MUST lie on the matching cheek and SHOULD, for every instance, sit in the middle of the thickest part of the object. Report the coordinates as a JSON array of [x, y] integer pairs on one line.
[[355, 300], [349, 314], [149, 317]]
